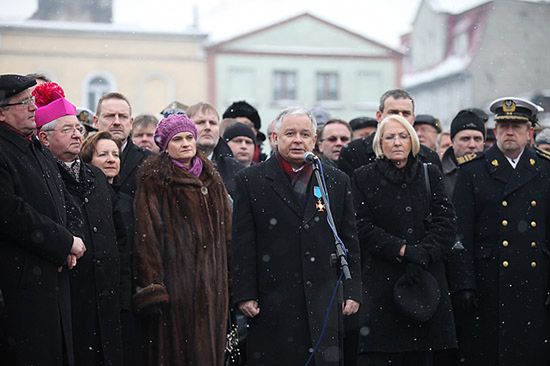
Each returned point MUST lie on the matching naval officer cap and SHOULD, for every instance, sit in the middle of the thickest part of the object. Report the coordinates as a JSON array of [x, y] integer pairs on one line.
[[513, 109]]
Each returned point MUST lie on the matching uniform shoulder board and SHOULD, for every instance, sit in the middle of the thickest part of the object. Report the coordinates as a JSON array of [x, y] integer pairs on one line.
[[466, 158], [542, 153]]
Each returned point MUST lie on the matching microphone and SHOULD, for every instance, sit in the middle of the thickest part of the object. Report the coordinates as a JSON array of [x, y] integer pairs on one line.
[[310, 158]]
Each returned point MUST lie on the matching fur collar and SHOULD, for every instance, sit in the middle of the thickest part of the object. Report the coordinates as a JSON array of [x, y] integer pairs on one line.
[[160, 169]]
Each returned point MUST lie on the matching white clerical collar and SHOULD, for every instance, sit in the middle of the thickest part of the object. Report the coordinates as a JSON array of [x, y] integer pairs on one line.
[[514, 162]]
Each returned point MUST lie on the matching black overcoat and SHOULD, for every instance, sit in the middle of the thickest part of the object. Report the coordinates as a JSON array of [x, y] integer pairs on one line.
[[130, 161], [359, 153], [34, 243], [503, 224], [281, 257], [95, 297], [391, 210]]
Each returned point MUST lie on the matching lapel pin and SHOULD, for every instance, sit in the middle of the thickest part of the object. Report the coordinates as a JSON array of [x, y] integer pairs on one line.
[[494, 162], [532, 162]]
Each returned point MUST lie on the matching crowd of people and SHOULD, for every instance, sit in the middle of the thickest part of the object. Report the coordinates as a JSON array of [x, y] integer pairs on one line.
[[179, 241]]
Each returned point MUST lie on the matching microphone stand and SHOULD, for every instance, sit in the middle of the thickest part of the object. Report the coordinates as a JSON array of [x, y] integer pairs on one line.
[[340, 254]]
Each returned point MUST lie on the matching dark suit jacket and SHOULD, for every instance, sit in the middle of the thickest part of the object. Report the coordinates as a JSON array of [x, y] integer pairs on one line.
[[281, 257], [132, 157], [359, 152]]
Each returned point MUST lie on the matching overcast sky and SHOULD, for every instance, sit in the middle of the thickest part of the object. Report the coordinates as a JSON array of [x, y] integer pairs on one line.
[[380, 20], [222, 19]]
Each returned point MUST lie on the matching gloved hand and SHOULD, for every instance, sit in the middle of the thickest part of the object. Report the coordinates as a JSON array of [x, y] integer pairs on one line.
[[153, 311], [412, 272], [465, 301], [417, 254]]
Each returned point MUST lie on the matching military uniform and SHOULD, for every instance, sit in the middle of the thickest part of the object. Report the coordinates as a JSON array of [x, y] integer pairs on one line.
[[503, 219]]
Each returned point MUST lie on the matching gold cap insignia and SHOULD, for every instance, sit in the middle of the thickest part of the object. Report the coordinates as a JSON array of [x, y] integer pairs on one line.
[[509, 106], [494, 162], [532, 161]]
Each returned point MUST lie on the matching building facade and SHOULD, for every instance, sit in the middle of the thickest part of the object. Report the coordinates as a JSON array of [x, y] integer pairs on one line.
[[468, 57], [304, 61], [90, 59]]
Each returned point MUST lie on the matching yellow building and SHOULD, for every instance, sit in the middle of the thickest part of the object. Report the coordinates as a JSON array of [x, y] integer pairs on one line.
[[90, 59]]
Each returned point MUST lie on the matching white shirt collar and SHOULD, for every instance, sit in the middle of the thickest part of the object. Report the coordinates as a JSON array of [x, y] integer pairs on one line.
[[514, 162]]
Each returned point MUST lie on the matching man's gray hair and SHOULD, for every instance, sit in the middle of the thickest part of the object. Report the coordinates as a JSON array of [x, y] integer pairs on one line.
[[294, 111], [50, 126]]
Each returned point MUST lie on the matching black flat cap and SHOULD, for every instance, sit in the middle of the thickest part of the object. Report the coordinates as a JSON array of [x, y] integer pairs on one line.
[[417, 301], [362, 122], [12, 84], [428, 119]]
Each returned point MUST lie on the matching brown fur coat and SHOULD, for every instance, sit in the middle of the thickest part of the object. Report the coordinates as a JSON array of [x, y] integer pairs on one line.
[[183, 227]]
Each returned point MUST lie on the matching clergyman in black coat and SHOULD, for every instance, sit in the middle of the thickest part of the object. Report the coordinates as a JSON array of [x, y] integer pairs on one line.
[[95, 297]]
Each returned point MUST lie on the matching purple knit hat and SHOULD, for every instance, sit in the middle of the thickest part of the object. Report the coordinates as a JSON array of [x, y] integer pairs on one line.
[[172, 125]]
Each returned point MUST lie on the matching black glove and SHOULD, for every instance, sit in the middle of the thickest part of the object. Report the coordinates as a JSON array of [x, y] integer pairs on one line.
[[417, 254], [153, 311], [412, 272], [465, 301]]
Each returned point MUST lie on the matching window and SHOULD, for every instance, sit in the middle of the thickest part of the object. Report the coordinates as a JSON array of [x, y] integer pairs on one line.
[[328, 86], [97, 87], [284, 85]]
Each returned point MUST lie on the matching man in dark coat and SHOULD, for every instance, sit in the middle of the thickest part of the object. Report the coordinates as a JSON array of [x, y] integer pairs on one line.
[[281, 249], [359, 152], [468, 137], [212, 146], [95, 298], [114, 114], [500, 280], [243, 112], [35, 244]]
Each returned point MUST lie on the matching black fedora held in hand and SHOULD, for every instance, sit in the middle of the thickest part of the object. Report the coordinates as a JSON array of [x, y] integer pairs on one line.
[[417, 300]]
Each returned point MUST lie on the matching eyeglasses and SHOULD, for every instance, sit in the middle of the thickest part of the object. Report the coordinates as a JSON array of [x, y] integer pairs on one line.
[[333, 139], [69, 130], [26, 101]]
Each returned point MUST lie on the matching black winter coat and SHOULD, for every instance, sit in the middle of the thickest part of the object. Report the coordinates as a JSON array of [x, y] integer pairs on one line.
[[392, 206], [281, 257], [359, 153], [503, 220], [34, 243], [132, 158], [226, 165], [95, 297], [450, 170]]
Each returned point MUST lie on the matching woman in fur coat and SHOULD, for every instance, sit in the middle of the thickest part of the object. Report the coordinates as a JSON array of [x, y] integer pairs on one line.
[[183, 227]]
